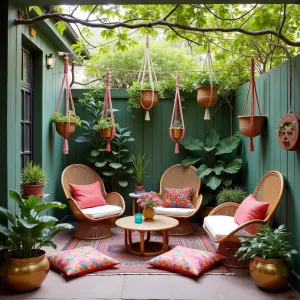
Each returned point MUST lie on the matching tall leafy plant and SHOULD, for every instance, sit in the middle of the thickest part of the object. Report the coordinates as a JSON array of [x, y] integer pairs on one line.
[[215, 165]]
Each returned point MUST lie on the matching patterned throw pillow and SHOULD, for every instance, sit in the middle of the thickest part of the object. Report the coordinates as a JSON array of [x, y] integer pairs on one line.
[[80, 261], [186, 261], [178, 198]]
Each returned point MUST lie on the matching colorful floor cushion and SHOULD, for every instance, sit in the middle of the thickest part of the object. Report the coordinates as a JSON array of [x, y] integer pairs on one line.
[[187, 261], [80, 261], [178, 198]]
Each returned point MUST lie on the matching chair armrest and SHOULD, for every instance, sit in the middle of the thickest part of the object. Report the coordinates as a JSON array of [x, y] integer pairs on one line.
[[225, 209], [114, 198]]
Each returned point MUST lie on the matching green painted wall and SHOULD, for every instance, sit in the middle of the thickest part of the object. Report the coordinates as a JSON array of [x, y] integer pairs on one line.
[[273, 95], [152, 138], [48, 145]]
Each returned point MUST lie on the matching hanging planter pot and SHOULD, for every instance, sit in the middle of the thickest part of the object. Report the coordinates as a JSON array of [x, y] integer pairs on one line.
[[288, 132], [106, 132], [207, 96], [245, 127], [149, 98], [61, 128], [176, 133]]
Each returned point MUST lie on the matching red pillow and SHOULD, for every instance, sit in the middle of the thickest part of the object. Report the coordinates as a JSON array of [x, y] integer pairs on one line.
[[89, 195], [250, 209]]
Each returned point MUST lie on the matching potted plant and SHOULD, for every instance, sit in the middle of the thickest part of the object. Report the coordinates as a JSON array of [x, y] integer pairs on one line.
[[62, 121], [26, 266], [148, 201], [270, 257], [206, 90], [176, 129], [139, 165], [231, 194], [105, 126], [33, 179]]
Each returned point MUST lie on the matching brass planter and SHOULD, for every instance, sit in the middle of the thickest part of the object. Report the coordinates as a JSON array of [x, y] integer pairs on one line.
[[148, 213], [270, 274], [176, 133], [61, 128], [106, 132], [33, 190], [24, 275]]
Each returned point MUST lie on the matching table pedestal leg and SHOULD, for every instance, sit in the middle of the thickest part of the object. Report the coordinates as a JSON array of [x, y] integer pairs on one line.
[[142, 244], [133, 206], [148, 236], [165, 241]]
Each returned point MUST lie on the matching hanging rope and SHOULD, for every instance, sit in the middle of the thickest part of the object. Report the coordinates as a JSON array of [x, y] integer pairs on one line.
[[254, 97], [147, 68], [107, 106], [177, 104], [68, 99]]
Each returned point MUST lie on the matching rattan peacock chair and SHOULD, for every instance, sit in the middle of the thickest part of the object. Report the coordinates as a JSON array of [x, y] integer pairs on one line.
[[90, 227], [179, 176], [269, 189]]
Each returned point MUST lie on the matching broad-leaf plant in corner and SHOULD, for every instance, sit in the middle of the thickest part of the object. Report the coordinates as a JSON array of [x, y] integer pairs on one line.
[[215, 165]]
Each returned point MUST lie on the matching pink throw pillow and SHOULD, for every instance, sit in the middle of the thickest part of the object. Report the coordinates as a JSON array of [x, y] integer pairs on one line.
[[251, 209], [89, 195]]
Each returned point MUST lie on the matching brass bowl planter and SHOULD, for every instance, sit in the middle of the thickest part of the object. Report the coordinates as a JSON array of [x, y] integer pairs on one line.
[[148, 213], [61, 128], [146, 98], [270, 274], [106, 132], [33, 190], [176, 133], [24, 275], [207, 96], [245, 125]]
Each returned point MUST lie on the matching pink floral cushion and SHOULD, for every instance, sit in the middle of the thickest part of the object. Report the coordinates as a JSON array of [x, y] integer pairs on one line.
[[80, 261], [178, 198], [186, 260]]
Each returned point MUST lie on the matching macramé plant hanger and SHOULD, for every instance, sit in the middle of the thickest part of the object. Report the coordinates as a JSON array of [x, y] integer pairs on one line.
[[207, 95], [108, 133], [65, 129], [177, 129], [288, 129], [251, 125], [149, 97]]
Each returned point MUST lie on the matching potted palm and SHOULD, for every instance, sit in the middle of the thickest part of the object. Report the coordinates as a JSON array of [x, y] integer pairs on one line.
[[176, 130], [139, 165], [26, 266], [61, 122], [33, 178], [105, 126], [270, 257]]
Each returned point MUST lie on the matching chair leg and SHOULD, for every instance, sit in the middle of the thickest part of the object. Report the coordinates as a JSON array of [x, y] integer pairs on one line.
[[183, 228], [229, 250], [93, 230]]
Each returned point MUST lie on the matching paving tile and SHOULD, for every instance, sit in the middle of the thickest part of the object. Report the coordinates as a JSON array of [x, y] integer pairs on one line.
[[146, 287], [200, 288]]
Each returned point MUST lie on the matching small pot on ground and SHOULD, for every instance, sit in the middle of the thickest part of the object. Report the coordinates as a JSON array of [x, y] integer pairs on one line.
[[146, 98], [270, 274], [26, 274]]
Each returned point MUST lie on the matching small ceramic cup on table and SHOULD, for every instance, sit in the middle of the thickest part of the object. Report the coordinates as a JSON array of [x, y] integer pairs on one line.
[[138, 218]]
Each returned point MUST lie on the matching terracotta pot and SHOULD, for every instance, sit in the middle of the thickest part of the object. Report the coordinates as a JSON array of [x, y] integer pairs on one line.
[[33, 190], [270, 274], [204, 212], [148, 213], [207, 96], [245, 125], [24, 275], [106, 132], [146, 98], [61, 128], [176, 133], [139, 188]]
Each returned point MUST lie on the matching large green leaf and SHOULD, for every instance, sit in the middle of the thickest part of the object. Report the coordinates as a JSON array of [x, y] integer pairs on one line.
[[218, 169], [43, 206], [26, 224], [106, 173], [48, 220], [190, 160], [48, 244], [4, 230], [191, 143], [61, 226], [129, 171], [16, 196], [233, 166], [94, 153], [203, 171], [212, 139], [115, 165], [6, 213], [227, 181], [100, 164], [213, 182], [123, 183], [227, 145]]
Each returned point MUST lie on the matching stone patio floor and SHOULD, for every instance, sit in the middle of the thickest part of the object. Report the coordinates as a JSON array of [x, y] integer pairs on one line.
[[116, 287]]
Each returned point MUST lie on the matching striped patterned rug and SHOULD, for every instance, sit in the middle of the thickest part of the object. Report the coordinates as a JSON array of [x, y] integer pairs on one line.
[[131, 264]]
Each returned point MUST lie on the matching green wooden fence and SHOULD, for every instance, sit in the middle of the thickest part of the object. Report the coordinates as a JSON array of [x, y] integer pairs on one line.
[[152, 137], [273, 94]]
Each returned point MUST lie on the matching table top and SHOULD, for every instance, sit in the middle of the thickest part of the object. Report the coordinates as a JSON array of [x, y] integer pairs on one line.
[[135, 195], [158, 223]]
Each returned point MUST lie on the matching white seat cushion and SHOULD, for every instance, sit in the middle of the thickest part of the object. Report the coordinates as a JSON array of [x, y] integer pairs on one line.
[[220, 226], [173, 211], [102, 211]]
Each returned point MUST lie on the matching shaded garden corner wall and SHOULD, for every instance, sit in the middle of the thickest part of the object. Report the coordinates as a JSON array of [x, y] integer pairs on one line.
[[152, 137], [273, 94]]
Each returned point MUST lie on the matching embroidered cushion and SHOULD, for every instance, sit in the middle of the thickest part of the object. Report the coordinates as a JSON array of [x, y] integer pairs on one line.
[[250, 209], [80, 261], [89, 195], [186, 260], [178, 198]]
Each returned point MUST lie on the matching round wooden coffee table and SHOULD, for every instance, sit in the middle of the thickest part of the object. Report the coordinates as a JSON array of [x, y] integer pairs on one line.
[[146, 247]]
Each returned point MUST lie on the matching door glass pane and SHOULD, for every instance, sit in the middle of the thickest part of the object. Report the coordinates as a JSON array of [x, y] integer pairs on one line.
[[27, 107], [25, 66], [27, 137]]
